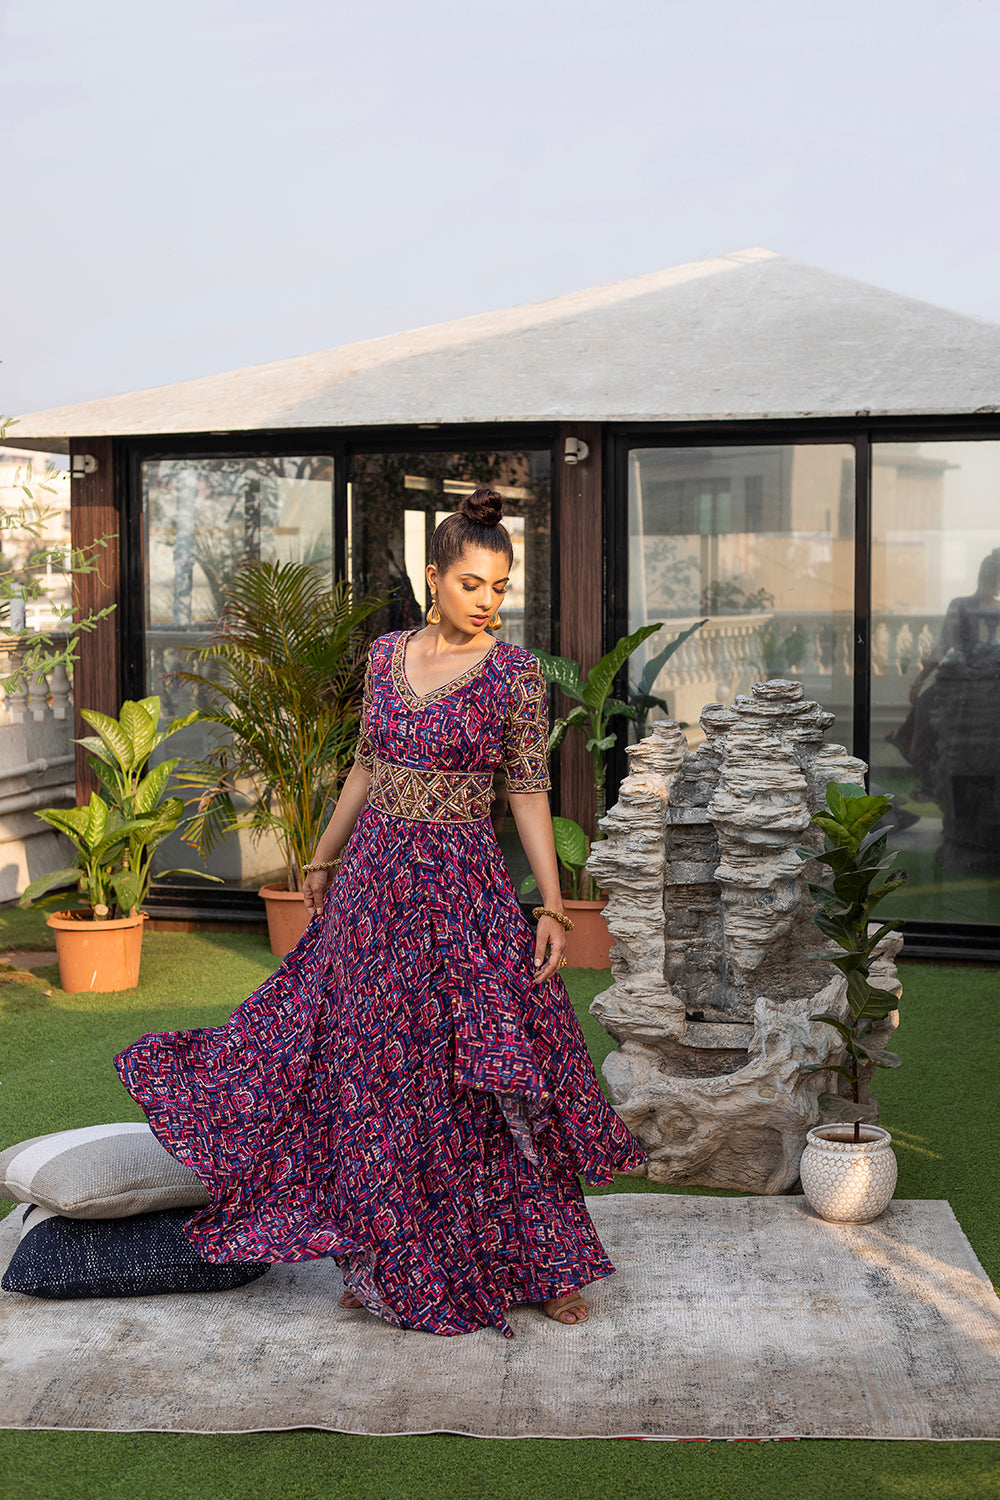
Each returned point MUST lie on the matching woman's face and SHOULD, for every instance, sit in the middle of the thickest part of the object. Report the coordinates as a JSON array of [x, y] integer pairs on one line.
[[472, 589]]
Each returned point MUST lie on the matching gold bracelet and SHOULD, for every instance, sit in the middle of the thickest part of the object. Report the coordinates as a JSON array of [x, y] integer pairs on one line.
[[560, 916], [326, 864]]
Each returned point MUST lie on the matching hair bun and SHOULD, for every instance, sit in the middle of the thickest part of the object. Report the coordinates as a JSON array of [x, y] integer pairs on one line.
[[483, 507]]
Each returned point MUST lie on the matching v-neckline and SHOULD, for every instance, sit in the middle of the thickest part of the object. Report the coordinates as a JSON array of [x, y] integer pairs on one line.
[[403, 685]]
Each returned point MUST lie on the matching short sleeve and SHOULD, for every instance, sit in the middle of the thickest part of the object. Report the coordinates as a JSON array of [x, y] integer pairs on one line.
[[364, 755], [526, 734]]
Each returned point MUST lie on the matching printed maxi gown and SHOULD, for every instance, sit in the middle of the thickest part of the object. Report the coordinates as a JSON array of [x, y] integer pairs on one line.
[[399, 1095]]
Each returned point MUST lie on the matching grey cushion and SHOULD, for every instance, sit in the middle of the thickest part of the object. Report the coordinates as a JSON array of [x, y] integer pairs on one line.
[[98, 1172], [140, 1256]]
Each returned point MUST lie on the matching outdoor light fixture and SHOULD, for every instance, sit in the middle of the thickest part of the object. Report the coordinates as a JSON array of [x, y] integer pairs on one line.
[[83, 463], [577, 451]]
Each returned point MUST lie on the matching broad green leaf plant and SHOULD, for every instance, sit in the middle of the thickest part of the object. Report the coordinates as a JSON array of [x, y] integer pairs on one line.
[[101, 873], [594, 704], [594, 709], [572, 851], [861, 876], [117, 835]]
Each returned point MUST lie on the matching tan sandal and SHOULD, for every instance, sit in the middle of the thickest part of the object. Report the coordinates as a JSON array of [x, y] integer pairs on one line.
[[349, 1300], [572, 1303]]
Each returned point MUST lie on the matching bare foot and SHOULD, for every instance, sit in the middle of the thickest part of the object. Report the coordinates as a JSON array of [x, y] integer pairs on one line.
[[349, 1300], [568, 1309]]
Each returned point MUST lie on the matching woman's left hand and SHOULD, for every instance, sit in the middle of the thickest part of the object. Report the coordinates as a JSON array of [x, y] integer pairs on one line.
[[551, 935]]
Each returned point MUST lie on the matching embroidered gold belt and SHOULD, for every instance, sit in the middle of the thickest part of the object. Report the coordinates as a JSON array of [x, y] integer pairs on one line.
[[430, 796]]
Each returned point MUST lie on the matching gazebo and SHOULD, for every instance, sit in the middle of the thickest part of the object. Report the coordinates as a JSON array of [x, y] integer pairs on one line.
[[807, 463]]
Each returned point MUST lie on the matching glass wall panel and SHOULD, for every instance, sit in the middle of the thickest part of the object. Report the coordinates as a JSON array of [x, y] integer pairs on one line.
[[758, 542], [935, 731], [397, 499], [204, 518]]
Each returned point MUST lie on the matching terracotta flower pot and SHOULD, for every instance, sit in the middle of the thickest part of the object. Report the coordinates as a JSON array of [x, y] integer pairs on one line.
[[848, 1181], [588, 946], [95, 955], [287, 918]]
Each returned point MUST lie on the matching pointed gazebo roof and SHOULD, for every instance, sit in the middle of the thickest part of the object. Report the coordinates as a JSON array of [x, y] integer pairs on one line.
[[747, 335]]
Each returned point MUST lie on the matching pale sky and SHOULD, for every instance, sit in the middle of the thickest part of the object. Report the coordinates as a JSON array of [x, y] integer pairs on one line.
[[213, 183]]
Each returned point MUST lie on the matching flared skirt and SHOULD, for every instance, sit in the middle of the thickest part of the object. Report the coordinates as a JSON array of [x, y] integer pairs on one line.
[[399, 1094]]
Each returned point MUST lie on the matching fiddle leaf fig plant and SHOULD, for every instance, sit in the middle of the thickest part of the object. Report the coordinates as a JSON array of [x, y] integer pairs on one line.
[[861, 876]]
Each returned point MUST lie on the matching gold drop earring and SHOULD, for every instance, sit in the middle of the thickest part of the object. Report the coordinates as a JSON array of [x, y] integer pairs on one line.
[[494, 624], [434, 614]]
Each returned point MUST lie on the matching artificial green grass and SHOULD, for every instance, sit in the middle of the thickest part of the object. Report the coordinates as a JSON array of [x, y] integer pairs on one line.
[[329, 1466], [941, 1107], [25, 931]]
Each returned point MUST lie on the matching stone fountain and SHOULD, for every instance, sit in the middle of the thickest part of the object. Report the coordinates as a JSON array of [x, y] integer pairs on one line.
[[715, 976]]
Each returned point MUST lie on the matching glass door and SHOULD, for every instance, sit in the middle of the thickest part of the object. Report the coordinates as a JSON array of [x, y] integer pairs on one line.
[[203, 519], [397, 499], [759, 543], [935, 715]]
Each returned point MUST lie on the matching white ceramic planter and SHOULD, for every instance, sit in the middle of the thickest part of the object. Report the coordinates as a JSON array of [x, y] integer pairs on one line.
[[845, 1181]]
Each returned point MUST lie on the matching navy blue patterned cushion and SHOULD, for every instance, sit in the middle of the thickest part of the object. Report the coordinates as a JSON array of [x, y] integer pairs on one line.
[[138, 1256]]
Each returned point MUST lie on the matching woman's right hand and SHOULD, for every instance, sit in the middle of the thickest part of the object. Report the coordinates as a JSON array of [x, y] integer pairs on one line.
[[314, 889]]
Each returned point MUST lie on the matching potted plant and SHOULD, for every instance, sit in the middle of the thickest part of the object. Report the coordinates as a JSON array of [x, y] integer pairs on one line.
[[848, 1167], [282, 682], [99, 946], [589, 944]]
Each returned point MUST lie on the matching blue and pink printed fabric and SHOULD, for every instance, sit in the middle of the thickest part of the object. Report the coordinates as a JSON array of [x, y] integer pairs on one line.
[[398, 1094]]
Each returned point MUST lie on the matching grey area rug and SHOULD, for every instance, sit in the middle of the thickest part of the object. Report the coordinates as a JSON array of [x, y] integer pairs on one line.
[[727, 1318]]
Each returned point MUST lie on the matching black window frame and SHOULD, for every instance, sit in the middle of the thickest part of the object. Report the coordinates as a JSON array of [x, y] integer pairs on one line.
[[939, 940], [230, 905]]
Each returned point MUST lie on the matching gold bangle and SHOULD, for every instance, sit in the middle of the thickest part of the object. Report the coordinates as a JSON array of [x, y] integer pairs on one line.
[[560, 916], [325, 864]]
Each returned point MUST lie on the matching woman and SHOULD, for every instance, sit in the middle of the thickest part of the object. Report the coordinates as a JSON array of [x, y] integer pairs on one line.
[[410, 1092]]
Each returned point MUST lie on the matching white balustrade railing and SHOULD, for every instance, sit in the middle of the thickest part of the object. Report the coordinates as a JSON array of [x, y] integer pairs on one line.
[[902, 643], [45, 700], [729, 653], [36, 769], [168, 651]]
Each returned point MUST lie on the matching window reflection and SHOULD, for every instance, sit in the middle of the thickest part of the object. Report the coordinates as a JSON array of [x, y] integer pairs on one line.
[[398, 499], [936, 672], [203, 519], [760, 542]]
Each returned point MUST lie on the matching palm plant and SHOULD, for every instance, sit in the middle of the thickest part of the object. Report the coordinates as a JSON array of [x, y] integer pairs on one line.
[[283, 687]]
